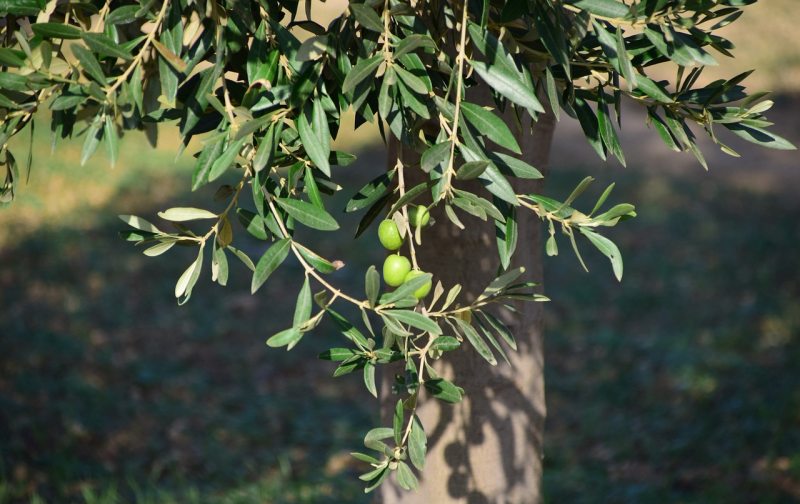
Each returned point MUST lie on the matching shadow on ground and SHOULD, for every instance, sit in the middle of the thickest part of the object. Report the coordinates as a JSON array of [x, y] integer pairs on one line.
[[680, 385], [106, 384]]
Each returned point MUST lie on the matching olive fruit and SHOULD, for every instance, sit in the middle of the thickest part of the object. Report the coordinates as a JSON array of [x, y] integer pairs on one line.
[[419, 216], [389, 235], [424, 289], [395, 269]]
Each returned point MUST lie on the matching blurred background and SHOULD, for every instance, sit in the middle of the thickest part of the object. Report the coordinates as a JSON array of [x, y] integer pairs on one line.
[[681, 384]]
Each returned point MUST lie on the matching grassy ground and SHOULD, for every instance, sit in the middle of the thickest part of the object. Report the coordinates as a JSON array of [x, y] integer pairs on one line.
[[679, 385], [107, 386]]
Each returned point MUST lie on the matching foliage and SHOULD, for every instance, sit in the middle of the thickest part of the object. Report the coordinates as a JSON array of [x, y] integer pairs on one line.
[[267, 105]]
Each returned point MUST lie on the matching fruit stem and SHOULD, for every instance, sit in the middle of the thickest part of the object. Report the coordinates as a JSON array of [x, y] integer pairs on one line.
[[423, 361], [401, 187], [310, 269]]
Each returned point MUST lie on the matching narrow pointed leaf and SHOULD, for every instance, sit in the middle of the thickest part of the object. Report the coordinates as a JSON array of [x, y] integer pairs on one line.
[[476, 341], [269, 262], [308, 214], [414, 319]]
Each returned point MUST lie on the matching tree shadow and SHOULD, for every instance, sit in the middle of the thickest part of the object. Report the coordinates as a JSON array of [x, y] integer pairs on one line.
[[680, 383], [104, 381]]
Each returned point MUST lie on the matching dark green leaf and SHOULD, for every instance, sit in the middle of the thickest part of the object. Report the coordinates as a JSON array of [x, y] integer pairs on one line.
[[10, 57], [414, 319], [417, 444], [337, 354], [760, 136], [506, 234], [308, 214], [434, 156], [319, 263], [410, 195], [253, 223], [477, 342], [445, 343], [444, 390], [492, 179], [208, 156], [501, 329], [488, 124], [314, 148], [368, 18], [471, 170], [302, 309], [510, 165], [123, 15], [412, 81], [369, 379], [348, 330], [406, 289], [93, 136], [364, 69], [605, 8], [371, 192], [372, 285], [508, 84], [397, 422], [265, 155], [104, 46], [224, 161], [653, 90], [269, 262], [89, 63], [56, 30], [413, 42], [406, 478], [319, 125]]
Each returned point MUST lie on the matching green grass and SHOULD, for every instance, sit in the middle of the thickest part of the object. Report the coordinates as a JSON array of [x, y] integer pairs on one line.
[[681, 383]]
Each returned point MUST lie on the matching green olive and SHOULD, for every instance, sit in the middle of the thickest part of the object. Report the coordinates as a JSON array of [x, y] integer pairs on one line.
[[424, 289], [395, 269], [389, 235], [419, 216]]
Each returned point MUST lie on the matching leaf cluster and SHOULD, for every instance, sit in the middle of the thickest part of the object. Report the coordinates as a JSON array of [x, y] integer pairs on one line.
[[264, 89]]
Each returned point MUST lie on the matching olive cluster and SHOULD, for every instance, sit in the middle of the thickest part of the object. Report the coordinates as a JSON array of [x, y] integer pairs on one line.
[[397, 268]]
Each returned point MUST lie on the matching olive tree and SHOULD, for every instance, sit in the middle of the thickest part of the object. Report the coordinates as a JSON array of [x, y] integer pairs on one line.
[[466, 94]]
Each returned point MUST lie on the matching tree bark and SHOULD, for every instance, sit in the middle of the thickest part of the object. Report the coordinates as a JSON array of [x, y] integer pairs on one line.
[[487, 448]]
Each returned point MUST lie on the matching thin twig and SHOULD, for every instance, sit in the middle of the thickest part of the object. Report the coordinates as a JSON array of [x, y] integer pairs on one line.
[[140, 55], [459, 85], [310, 269]]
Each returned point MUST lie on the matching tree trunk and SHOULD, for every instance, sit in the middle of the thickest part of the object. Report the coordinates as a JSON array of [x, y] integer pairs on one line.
[[487, 448]]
